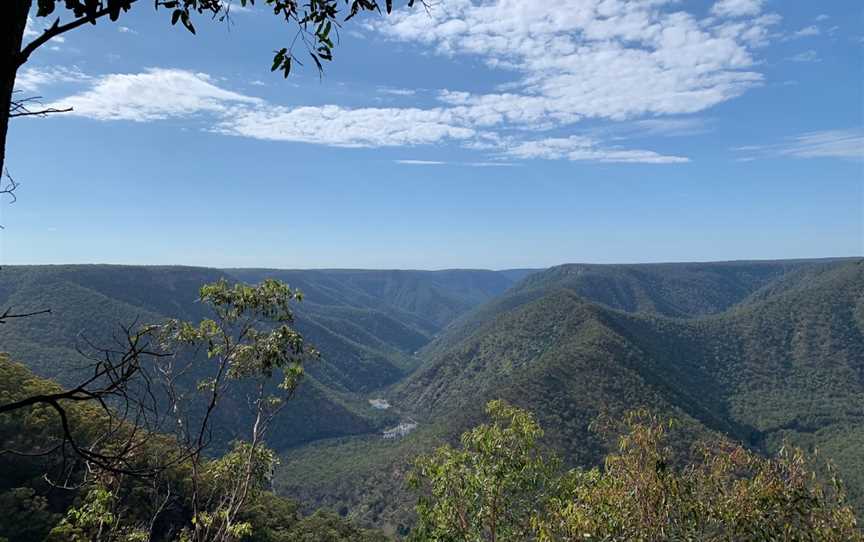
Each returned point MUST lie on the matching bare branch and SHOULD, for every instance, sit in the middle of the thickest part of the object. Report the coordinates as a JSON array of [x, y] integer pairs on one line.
[[8, 185], [8, 314], [119, 379], [19, 108]]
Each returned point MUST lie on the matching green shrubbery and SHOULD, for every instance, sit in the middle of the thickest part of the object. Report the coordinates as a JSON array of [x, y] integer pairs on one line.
[[498, 487]]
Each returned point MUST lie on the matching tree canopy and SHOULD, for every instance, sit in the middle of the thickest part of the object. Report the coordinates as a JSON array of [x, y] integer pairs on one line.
[[498, 486], [139, 434]]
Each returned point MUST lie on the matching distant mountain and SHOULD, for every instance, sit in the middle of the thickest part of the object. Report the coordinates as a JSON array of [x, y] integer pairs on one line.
[[762, 352], [516, 275], [682, 290], [435, 297], [367, 324]]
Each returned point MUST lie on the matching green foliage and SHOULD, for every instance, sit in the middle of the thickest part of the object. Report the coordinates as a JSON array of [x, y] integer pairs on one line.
[[732, 494], [96, 520], [317, 22], [488, 489], [26, 515], [676, 290], [224, 498], [249, 337], [257, 461], [497, 487], [28, 505], [122, 509], [242, 350], [248, 340], [568, 360], [279, 520]]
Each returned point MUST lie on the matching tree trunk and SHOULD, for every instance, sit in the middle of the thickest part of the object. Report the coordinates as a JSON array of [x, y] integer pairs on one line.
[[13, 21]]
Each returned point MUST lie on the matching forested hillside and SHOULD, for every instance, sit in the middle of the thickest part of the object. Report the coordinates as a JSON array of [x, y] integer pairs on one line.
[[435, 297], [761, 352], [367, 324], [32, 505]]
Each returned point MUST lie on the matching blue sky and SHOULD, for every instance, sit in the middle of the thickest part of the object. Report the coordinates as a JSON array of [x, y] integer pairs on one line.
[[495, 134]]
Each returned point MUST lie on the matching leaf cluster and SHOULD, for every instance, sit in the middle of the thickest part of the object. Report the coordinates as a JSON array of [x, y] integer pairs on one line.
[[497, 487], [315, 22]]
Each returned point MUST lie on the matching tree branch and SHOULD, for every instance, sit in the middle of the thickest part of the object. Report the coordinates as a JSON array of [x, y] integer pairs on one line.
[[9, 188], [56, 29], [8, 314], [18, 108]]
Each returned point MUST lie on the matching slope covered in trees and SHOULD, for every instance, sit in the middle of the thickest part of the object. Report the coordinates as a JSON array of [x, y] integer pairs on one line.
[[497, 484], [33, 509], [775, 353], [367, 324], [763, 352]]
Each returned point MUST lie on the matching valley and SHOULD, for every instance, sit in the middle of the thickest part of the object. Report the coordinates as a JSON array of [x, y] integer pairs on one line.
[[765, 353], [368, 325]]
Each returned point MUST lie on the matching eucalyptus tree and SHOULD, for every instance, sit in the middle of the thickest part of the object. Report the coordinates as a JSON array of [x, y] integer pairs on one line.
[[726, 493], [489, 488], [498, 487], [151, 417], [248, 340]]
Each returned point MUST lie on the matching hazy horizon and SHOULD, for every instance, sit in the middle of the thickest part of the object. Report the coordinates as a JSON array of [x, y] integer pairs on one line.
[[433, 269]]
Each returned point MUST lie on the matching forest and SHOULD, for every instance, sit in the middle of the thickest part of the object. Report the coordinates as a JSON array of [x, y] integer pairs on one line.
[[498, 483], [568, 349]]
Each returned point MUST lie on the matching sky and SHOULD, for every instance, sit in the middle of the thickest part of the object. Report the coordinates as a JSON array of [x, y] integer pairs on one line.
[[475, 134]]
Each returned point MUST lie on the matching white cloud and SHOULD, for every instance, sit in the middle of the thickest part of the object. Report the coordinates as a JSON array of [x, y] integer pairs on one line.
[[126, 30], [845, 144], [397, 91], [737, 8], [34, 28], [468, 164], [621, 60], [579, 148], [822, 17], [344, 127], [591, 59], [812, 30], [420, 162], [160, 93], [37, 78], [806, 56], [662, 127], [639, 61], [155, 94], [491, 164], [29, 28]]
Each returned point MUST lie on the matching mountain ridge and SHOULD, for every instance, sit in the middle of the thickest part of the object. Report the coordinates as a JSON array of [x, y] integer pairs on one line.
[[368, 339], [568, 359], [715, 345]]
